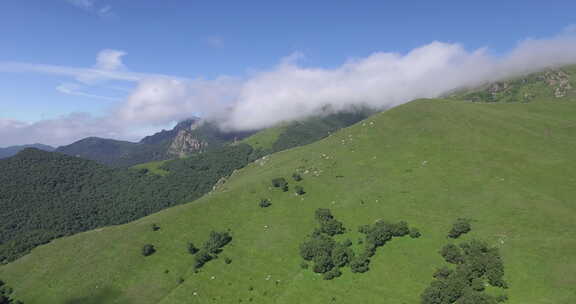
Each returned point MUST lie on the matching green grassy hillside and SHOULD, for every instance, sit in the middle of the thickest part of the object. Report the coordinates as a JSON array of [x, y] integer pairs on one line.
[[550, 84], [507, 166]]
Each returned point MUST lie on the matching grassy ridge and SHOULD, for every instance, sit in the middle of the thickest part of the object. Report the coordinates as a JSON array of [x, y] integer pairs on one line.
[[509, 167]]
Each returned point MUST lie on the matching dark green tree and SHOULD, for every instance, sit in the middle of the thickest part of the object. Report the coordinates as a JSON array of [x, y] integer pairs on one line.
[[201, 258], [264, 203], [332, 274], [342, 255], [460, 226], [360, 264], [148, 249], [299, 190], [415, 233], [279, 182], [452, 254], [192, 249]]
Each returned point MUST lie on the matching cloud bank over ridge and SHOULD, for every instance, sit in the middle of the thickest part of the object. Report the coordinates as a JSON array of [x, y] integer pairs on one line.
[[284, 92]]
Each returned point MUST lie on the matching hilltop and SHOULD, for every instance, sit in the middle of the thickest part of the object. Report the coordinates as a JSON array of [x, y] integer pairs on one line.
[[505, 166], [13, 150]]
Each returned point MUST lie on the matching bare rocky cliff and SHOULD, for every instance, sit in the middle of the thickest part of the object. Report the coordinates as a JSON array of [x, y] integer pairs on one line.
[[186, 143]]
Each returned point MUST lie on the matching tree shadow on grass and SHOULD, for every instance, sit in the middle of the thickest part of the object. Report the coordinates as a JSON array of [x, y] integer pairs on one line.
[[103, 296]]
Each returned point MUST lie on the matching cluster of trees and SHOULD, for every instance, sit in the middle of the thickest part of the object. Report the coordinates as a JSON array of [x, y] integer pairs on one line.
[[475, 265], [211, 248], [328, 256], [328, 224], [5, 295], [280, 182], [377, 235], [46, 195], [460, 226]]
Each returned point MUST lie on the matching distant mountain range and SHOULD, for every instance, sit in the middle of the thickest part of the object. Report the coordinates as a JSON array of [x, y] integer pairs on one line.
[[187, 137], [13, 150]]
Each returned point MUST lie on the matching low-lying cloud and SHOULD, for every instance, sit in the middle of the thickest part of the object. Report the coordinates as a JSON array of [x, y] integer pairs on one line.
[[284, 92]]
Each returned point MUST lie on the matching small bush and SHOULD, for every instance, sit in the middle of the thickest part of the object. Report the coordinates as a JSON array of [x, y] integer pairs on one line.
[[334, 273], [264, 203], [227, 260], [299, 190], [297, 177], [400, 229], [415, 233], [279, 182], [148, 249], [192, 249], [155, 227]]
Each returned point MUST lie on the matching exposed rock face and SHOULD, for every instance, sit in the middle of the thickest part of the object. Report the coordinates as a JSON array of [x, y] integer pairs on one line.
[[555, 83], [559, 81], [185, 143]]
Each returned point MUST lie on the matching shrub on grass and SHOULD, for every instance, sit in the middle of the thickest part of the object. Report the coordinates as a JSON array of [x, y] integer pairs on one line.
[[415, 233], [299, 190], [148, 250], [201, 258], [192, 249], [460, 226], [279, 182], [264, 203]]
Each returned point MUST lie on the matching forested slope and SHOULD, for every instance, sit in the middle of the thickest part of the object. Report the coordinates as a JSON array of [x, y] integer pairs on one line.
[[45, 195]]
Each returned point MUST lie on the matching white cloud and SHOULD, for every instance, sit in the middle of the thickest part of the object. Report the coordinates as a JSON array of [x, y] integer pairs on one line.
[[284, 92], [77, 90], [59, 131], [110, 60], [93, 7], [215, 41]]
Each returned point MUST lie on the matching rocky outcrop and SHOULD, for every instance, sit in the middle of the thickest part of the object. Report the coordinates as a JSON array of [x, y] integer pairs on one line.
[[559, 81], [186, 143]]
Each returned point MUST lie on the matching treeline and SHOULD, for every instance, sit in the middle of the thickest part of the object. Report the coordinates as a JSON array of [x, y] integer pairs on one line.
[[310, 130], [6, 294], [47, 195]]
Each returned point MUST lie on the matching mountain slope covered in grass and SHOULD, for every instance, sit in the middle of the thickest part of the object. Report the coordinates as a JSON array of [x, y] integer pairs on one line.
[[508, 167], [551, 84]]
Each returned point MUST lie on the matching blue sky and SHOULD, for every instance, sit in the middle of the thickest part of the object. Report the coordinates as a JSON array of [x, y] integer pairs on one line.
[[193, 40]]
